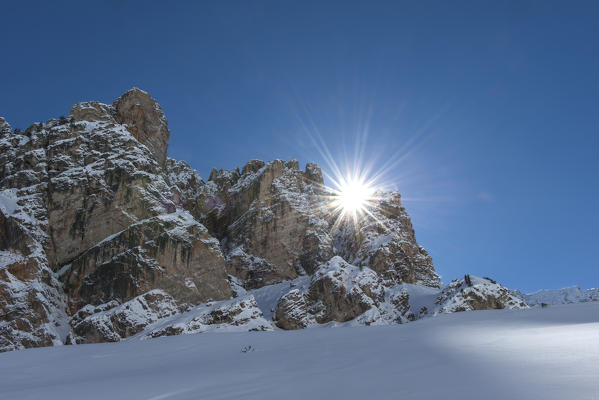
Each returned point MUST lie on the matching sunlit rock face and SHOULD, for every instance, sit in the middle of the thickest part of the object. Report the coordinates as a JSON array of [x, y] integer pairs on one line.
[[269, 218], [384, 240], [276, 222], [103, 237]]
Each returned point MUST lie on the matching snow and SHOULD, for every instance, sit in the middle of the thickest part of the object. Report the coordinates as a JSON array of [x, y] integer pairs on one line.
[[245, 181], [540, 353], [267, 297], [9, 257], [573, 294], [421, 296], [8, 201]]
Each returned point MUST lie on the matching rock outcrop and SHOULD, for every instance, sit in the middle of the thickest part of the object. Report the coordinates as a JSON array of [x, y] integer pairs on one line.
[[32, 302], [111, 322], [266, 217], [473, 293], [385, 242], [340, 292], [239, 314], [5, 128]]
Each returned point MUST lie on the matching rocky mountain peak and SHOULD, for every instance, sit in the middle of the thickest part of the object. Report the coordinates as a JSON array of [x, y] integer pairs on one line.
[[145, 120], [314, 173], [138, 112], [5, 128], [92, 111], [252, 166]]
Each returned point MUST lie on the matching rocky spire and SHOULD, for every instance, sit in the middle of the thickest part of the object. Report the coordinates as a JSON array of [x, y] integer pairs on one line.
[[4, 127], [145, 120]]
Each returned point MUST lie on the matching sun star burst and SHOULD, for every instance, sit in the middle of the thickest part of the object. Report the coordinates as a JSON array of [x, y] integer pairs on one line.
[[353, 198]]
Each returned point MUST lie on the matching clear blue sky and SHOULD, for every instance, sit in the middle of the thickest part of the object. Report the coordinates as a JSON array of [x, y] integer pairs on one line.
[[490, 107]]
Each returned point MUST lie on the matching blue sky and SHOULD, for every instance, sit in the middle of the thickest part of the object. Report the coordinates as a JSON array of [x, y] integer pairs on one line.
[[488, 110]]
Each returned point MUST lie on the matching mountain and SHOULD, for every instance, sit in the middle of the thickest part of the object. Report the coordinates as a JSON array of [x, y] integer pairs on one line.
[[103, 237], [570, 295]]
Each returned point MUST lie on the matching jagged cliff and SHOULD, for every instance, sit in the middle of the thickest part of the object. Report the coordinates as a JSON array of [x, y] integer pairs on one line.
[[103, 237]]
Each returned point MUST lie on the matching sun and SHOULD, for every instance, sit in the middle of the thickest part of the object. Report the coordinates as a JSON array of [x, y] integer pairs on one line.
[[353, 198]]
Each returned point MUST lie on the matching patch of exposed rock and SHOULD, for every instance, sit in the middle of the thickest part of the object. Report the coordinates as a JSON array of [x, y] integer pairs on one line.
[[111, 322], [239, 314], [340, 292]]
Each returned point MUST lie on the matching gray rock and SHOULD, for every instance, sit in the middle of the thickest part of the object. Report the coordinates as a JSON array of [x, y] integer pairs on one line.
[[5, 128]]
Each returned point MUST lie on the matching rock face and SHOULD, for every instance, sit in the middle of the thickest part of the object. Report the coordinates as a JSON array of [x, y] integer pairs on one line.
[[386, 243], [172, 252], [102, 237], [276, 222], [32, 302], [341, 292], [5, 128], [266, 217]]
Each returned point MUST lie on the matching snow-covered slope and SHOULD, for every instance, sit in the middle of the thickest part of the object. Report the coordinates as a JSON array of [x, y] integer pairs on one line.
[[539, 353], [573, 294]]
